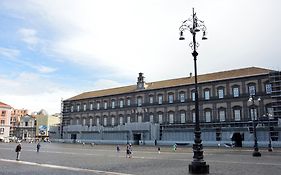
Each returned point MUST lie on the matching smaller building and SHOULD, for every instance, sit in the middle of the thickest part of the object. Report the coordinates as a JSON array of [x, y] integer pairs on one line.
[[26, 128], [16, 115], [5, 117], [44, 122]]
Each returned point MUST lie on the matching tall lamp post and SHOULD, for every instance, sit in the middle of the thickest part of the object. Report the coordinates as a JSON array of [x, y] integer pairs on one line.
[[256, 152], [268, 115], [194, 25]]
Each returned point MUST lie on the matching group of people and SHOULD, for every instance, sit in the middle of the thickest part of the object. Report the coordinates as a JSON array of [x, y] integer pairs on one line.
[[19, 148]]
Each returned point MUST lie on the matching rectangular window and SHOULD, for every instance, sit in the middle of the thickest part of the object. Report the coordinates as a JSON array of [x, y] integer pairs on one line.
[[105, 121], [105, 105], [98, 105], [78, 108], [160, 99], [235, 92], [2, 122], [253, 113], [252, 90], [1, 130], [84, 122], [3, 113], [182, 117], [151, 118], [171, 118], [160, 117], [207, 94], [182, 97], [121, 103], [77, 122], [268, 88], [98, 121], [128, 119], [113, 104], [91, 106], [171, 98], [139, 101], [193, 117], [222, 115], [129, 102], [221, 93], [121, 120], [139, 118], [84, 107], [193, 96], [91, 121], [151, 99], [208, 116], [112, 121], [237, 114]]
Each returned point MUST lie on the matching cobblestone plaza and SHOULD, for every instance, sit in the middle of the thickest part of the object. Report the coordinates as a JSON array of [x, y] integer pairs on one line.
[[103, 159]]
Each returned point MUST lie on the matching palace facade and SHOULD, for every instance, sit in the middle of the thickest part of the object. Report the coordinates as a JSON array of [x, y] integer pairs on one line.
[[163, 112]]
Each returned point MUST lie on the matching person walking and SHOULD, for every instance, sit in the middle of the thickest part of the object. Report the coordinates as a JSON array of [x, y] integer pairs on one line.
[[158, 149], [175, 147], [38, 146], [18, 151], [127, 151]]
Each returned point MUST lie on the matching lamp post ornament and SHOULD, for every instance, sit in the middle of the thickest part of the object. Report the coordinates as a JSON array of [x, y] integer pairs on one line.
[[194, 25]]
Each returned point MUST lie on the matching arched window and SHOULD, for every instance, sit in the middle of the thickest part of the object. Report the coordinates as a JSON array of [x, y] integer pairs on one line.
[[171, 98], [237, 112], [139, 101], [252, 89], [160, 117], [236, 90], [182, 117], [151, 118], [151, 99], [113, 104], [221, 114], [121, 120], [160, 99], [220, 92], [207, 94], [171, 117], [182, 96], [112, 120], [208, 115]]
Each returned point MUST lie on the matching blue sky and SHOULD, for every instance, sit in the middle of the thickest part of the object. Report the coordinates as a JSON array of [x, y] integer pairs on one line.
[[52, 49]]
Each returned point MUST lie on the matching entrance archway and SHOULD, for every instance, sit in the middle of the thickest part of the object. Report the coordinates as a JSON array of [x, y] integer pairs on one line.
[[237, 138]]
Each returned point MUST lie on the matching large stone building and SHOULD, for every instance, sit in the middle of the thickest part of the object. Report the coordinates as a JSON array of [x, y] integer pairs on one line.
[[163, 111], [5, 117]]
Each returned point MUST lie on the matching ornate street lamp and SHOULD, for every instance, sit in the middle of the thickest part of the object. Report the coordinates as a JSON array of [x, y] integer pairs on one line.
[[256, 152], [194, 25], [268, 115]]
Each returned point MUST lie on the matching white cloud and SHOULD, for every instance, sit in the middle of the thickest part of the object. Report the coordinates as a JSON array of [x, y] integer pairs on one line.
[[45, 69], [34, 92], [29, 36], [9, 53], [128, 37]]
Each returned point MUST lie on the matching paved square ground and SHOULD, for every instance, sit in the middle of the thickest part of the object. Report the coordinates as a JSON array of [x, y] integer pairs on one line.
[[68, 159]]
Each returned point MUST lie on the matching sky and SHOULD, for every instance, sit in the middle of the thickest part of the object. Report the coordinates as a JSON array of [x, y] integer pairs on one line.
[[52, 50]]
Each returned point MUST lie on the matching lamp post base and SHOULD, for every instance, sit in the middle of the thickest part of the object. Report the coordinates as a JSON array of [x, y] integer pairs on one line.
[[256, 154], [198, 168]]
